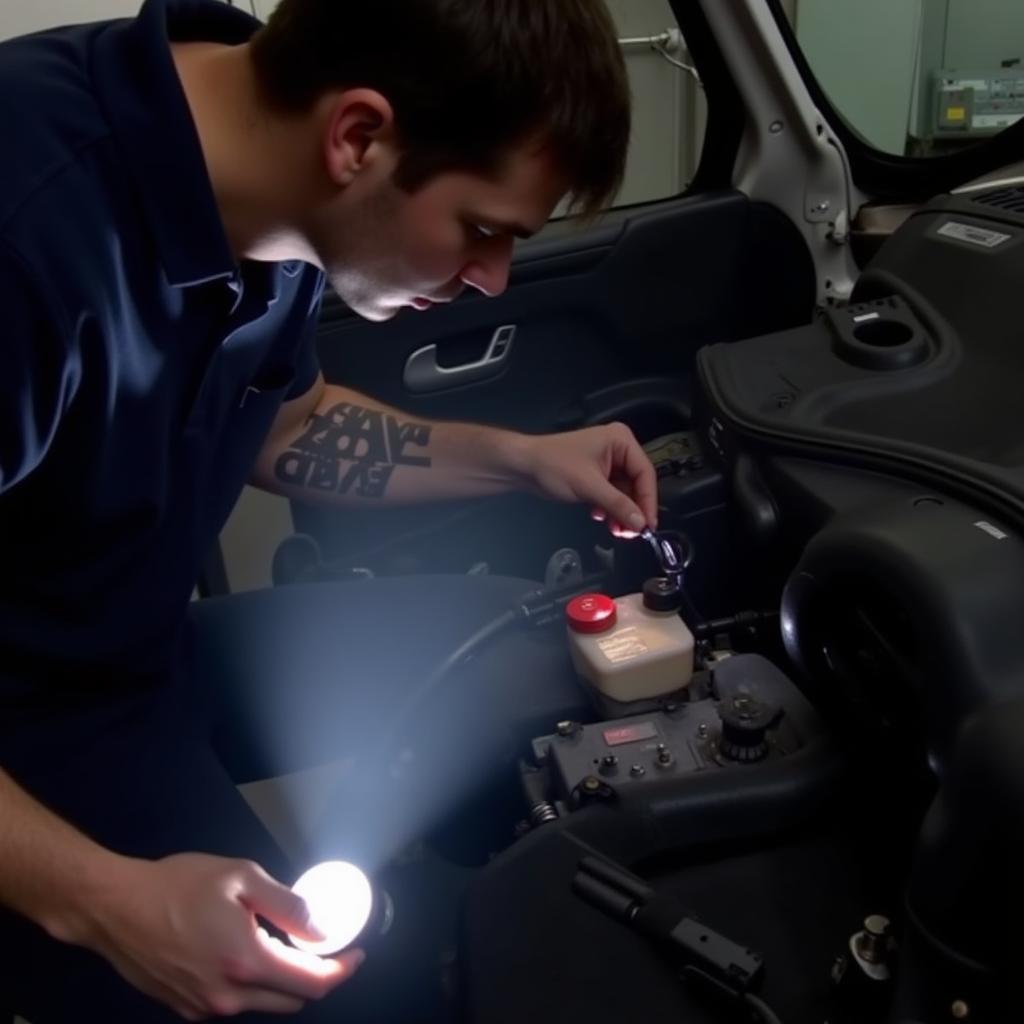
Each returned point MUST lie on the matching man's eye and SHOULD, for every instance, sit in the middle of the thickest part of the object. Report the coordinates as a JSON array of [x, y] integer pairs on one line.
[[481, 231]]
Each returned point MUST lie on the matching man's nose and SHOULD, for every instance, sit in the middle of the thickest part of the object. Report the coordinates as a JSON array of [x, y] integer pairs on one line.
[[489, 271]]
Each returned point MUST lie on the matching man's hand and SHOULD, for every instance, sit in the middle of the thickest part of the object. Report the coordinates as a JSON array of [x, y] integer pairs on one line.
[[602, 466], [183, 930]]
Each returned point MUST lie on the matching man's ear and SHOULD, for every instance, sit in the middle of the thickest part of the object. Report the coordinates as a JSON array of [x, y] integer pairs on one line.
[[356, 119]]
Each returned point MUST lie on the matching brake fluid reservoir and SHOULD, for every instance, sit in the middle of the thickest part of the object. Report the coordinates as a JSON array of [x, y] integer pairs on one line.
[[634, 647]]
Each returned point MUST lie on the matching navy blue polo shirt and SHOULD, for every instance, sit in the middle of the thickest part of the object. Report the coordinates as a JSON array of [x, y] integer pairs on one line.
[[141, 365]]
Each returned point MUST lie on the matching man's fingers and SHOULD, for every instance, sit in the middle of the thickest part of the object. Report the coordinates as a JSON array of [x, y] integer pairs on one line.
[[617, 505], [628, 488], [615, 528], [350, 961], [278, 904], [265, 1001], [282, 969], [622, 532], [255, 1000], [302, 973], [643, 480]]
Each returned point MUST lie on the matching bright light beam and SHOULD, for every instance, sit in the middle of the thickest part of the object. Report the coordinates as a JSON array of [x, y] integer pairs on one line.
[[340, 901]]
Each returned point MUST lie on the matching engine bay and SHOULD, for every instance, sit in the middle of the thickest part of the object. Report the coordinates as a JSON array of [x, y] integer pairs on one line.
[[826, 814], [795, 791]]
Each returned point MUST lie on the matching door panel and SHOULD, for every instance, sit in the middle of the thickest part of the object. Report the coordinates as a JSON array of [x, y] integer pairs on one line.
[[630, 300], [608, 322]]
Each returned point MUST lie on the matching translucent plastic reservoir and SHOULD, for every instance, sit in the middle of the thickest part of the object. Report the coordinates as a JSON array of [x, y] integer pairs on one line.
[[627, 649]]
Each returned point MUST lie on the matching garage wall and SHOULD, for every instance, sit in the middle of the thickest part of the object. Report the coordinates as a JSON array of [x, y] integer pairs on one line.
[[18, 17], [838, 36]]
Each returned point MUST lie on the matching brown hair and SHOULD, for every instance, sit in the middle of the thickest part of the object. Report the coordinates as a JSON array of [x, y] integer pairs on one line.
[[468, 80]]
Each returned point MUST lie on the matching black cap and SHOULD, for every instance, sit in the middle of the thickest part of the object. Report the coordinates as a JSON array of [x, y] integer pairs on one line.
[[662, 595]]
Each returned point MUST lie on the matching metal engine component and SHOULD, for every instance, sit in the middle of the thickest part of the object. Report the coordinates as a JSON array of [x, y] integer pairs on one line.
[[770, 720]]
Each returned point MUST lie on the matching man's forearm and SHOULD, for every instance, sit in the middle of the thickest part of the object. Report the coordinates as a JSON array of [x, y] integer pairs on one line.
[[354, 450], [49, 872]]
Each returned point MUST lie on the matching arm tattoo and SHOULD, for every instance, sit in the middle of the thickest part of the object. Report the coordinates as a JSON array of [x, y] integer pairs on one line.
[[352, 450]]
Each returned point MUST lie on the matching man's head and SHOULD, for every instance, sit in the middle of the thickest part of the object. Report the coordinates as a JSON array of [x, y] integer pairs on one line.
[[448, 126]]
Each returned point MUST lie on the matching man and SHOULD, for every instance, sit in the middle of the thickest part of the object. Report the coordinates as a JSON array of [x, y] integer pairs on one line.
[[173, 194]]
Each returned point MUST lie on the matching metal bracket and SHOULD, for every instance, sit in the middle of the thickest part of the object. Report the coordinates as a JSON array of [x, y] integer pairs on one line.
[[790, 157]]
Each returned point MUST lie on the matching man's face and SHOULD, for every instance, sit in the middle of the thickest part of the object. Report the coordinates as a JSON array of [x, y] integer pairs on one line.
[[385, 250]]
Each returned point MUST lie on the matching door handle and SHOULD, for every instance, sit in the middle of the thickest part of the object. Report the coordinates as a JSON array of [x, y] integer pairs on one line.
[[423, 374]]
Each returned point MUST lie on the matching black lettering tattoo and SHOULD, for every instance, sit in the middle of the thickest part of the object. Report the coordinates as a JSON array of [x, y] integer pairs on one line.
[[373, 442]]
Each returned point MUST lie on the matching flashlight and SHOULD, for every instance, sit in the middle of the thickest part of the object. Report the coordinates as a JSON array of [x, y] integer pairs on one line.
[[343, 907]]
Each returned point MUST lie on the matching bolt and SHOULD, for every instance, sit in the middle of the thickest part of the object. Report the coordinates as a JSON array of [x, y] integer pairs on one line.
[[609, 763], [742, 704], [960, 1010], [776, 127], [565, 729], [702, 730], [871, 943], [664, 756], [637, 771]]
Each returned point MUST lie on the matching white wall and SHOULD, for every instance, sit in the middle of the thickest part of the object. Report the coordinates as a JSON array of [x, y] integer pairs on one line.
[[841, 37], [18, 16], [664, 148], [984, 33]]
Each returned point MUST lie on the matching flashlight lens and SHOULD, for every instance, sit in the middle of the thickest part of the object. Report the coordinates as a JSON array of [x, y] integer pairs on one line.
[[340, 900]]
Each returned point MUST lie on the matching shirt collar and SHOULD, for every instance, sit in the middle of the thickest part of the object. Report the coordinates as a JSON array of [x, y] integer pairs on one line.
[[142, 96]]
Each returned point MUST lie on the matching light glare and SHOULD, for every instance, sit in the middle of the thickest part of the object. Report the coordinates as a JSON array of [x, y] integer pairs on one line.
[[340, 901]]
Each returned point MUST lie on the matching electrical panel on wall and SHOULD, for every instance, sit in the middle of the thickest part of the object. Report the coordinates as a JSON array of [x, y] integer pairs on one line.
[[970, 68], [977, 104]]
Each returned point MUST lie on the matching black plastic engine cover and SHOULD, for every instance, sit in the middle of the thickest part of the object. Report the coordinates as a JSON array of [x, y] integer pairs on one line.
[[904, 610], [905, 619], [920, 376]]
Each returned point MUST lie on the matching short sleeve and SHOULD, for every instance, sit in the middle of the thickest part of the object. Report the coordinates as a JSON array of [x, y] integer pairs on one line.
[[307, 366], [38, 377]]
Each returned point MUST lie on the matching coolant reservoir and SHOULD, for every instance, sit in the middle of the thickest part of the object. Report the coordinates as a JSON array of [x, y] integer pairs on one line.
[[634, 647]]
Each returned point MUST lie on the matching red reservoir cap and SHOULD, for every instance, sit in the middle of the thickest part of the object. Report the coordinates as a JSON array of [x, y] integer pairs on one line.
[[591, 613]]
